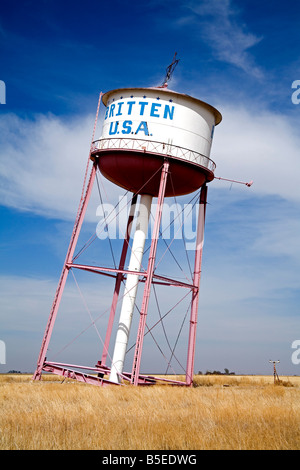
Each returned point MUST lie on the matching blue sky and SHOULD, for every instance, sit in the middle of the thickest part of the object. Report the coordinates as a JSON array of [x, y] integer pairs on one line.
[[241, 57]]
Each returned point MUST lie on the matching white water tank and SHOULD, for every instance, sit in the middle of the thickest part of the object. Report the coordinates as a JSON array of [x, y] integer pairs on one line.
[[142, 126]]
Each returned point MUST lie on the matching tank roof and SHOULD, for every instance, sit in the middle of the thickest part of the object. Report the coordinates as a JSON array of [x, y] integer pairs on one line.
[[217, 114]]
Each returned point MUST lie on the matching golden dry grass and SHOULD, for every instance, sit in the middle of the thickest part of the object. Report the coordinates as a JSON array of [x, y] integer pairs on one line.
[[247, 413]]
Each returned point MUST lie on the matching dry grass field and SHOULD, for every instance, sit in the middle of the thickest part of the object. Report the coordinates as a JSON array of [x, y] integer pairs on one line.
[[220, 412]]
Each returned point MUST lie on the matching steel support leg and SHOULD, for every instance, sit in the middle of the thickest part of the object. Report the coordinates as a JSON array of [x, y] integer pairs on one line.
[[150, 270], [131, 287], [118, 281], [75, 234], [196, 282]]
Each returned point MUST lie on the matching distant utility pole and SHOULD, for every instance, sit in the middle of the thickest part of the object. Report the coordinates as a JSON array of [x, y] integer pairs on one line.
[[274, 370]]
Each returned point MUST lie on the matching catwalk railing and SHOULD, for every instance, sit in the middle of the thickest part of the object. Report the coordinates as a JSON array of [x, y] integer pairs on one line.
[[150, 146]]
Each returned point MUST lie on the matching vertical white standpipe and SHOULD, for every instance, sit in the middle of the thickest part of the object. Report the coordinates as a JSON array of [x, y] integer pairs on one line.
[[131, 288]]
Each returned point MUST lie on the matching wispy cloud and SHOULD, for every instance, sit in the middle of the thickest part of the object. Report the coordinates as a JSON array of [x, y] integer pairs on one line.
[[41, 170], [220, 25], [260, 145], [42, 163], [24, 317]]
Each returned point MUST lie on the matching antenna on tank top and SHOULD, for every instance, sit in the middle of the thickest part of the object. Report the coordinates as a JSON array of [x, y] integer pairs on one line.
[[169, 71]]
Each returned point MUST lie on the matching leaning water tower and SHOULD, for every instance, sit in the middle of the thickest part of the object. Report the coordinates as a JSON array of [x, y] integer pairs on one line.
[[155, 143]]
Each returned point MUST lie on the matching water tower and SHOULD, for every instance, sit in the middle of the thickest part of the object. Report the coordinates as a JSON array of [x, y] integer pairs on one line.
[[155, 143]]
